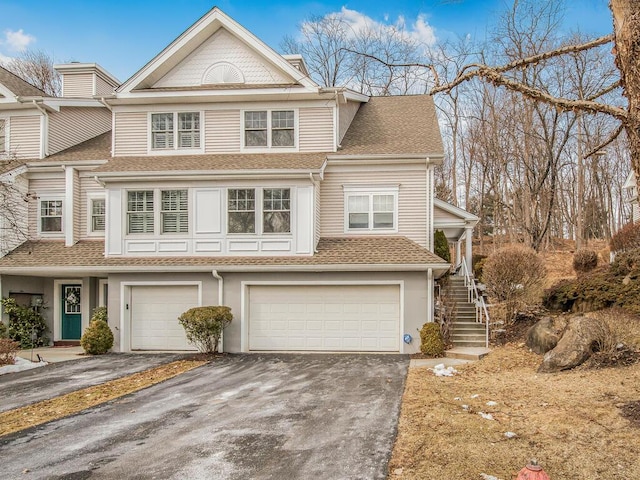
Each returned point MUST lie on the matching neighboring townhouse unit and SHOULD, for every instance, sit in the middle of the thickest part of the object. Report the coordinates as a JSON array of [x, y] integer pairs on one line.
[[220, 173], [631, 188]]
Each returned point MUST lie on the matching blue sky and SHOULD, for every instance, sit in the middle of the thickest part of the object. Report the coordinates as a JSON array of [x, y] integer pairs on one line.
[[123, 36]]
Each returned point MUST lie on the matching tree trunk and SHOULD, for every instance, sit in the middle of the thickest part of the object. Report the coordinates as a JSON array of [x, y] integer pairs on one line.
[[626, 23]]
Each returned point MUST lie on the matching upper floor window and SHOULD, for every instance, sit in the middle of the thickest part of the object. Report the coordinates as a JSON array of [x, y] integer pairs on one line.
[[174, 213], [243, 216], [98, 214], [274, 128], [140, 211], [51, 216], [371, 211], [165, 135], [3, 136]]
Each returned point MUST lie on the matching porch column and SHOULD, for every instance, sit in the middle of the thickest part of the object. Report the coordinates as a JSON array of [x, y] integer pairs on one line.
[[468, 243], [458, 253]]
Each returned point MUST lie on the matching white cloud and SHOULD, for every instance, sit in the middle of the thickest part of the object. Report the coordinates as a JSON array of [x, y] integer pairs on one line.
[[17, 40]]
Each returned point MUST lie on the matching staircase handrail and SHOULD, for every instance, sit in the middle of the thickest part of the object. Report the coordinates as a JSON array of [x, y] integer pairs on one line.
[[482, 313]]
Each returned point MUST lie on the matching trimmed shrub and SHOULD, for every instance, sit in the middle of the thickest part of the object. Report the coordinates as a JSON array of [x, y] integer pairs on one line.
[[4, 332], [8, 351], [204, 326], [585, 260], [97, 339], [627, 238], [514, 275], [441, 246], [431, 341], [23, 323]]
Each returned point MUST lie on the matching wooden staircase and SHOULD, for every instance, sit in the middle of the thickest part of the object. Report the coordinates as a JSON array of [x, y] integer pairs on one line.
[[465, 330]]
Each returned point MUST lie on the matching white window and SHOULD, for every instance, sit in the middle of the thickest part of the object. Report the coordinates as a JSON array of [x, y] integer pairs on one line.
[[97, 214], [3, 136], [368, 210], [241, 210], [140, 211], [276, 210], [51, 216], [174, 211], [164, 135], [269, 128]]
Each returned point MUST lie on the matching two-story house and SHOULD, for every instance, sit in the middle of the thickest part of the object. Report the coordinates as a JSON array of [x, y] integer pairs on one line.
[[220, 173]]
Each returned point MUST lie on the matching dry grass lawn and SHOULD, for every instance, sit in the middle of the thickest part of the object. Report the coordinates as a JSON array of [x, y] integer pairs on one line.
[[38, 413], [570, 421]]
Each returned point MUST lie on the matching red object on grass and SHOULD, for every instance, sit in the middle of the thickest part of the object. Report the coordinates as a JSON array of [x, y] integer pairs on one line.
[[533, 471]]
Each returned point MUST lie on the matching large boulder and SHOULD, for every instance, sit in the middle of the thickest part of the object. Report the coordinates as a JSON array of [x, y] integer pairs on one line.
[[545, 334], [580, 340]]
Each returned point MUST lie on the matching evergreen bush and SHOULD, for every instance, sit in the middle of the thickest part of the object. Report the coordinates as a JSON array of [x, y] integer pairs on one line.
[[431, 340], [97, 339], [204, 326], [441, 246], [23, 323]]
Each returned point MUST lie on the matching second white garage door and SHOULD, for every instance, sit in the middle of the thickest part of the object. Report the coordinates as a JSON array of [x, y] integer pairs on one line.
[[362, 318], [154, 316]]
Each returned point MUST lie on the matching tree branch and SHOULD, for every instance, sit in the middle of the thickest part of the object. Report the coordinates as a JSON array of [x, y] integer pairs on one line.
[[616, 133], [606, 90]]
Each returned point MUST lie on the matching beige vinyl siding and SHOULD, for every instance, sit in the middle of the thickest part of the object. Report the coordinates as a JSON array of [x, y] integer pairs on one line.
[[88, 186], [77, 85], [102, 87], [130, 133], [440, 215], [222, 131], [73, 125], [24, 136], [42, 187], [345, 116], [316, 129], [412, 195]]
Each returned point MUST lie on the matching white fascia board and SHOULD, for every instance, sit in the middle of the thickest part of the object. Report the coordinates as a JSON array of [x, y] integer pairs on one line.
[[46, 166], [378, 159], [457, 211], [56, 103], [202, 175], [8, 94], [58, 271], [10, 175], [203, 28], [347, 94]]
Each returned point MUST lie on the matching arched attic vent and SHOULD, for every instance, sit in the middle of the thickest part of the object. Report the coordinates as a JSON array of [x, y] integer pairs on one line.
[[222, 72]]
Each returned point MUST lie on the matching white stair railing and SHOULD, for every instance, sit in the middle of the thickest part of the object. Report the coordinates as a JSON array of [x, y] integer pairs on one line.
[[482, 314]]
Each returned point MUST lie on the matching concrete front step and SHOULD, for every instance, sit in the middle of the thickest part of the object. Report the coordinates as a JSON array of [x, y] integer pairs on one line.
[[467, 353], [468, 344]]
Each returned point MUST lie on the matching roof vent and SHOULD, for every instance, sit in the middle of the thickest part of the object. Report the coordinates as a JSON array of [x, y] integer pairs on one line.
[[222, 72]]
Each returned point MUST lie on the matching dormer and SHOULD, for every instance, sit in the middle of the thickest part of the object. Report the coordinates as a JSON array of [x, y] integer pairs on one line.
[[85, 80]]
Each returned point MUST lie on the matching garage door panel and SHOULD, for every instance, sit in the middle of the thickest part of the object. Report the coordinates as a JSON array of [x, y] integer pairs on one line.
[[154, 316], [323, 317]]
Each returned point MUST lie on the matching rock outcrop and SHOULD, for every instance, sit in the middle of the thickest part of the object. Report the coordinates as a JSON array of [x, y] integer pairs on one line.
[[545, 334]]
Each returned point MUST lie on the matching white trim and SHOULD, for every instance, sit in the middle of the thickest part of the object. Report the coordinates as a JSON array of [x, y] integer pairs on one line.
[[102, 300], [44, 197], [244, 301], [259, 212], [67, 207], [91, 197], [57, 305], [268, 148], [7, 145], [176, 150], [125, 304], [457, 211], [370, 191]]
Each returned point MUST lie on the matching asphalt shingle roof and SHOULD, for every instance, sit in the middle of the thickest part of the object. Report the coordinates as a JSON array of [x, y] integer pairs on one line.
[[404, 124], [354, 251], [19, 86]]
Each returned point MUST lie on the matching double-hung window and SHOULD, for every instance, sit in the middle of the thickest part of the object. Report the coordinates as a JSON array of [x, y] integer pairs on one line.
[[369, 210], [174, 212], [177, 130], [140, 211], [50, 216], [97, 214], [269, 128], [243, 210]]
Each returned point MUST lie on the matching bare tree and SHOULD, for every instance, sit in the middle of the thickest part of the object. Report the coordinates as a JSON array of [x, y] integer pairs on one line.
[[36, 67]]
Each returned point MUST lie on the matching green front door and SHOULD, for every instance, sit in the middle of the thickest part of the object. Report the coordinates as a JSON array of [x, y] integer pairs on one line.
[[71, 317]]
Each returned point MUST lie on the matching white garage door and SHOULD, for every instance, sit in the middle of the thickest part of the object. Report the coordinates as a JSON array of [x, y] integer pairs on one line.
[[154, 316], [362, 318]]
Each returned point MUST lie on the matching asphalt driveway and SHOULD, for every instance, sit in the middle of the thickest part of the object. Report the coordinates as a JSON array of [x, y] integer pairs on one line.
[[240, 417]]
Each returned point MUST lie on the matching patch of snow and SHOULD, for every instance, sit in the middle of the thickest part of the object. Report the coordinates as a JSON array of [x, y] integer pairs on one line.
[[21, 365], [465, 407], [475, 395], [491, 403], [458, 399], [510, 434], [486, 416], [484, 476], [441, 371]]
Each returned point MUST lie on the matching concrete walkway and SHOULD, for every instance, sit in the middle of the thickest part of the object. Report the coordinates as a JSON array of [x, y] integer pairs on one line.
[[53, 354]]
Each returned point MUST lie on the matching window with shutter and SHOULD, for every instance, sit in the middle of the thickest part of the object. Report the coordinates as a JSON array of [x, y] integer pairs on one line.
[[140, 211], [174, 212]]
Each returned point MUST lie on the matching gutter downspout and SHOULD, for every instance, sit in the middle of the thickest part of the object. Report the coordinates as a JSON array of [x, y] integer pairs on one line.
[[316, 185], [220, 280], [44, 130], [104, 102]]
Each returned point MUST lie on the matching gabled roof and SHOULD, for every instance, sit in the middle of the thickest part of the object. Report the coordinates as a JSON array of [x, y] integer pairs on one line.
[[342, 253], [394, 125], [193, 37], [463, 215], [18, 86]]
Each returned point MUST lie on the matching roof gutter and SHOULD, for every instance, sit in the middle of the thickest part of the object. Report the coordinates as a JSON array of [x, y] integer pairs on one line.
[[204, 174]]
